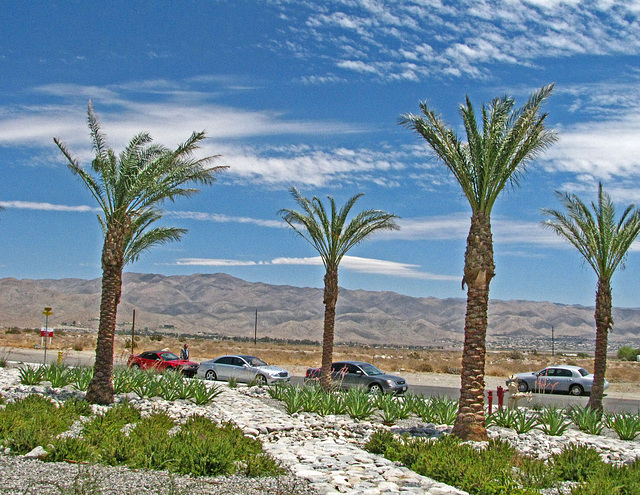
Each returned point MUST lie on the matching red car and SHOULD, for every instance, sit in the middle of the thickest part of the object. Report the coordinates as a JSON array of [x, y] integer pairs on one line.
[[161, 361]]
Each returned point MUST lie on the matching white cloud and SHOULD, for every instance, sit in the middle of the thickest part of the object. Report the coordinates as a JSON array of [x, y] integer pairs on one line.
[[464, 37], [28, 205], [353, 263]]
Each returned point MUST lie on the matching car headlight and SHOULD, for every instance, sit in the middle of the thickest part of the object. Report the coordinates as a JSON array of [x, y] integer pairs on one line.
[[391, 383]]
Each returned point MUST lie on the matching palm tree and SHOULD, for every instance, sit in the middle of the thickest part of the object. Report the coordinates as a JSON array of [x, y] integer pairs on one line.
[[491, 158], [331, 235], [604, 242], [129, 189]]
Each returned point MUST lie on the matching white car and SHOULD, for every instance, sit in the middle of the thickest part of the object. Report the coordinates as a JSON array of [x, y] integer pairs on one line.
[[244, 369], [572, 379]]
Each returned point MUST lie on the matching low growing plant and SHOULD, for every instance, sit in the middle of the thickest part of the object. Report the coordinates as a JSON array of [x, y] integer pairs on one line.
[[626, 425], [30, 375], [553, 421], [587, 420], [201, 394]]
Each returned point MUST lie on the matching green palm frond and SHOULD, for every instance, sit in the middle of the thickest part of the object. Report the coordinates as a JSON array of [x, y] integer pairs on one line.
[[494, 156], [602, 240], [329, 233], [131, 186]]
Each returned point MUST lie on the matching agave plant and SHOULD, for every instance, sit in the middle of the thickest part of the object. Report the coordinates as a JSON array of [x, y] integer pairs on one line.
[[81, 377], [553, 421], [358, 404], [626, 425], [30, 375], [57, 374], [587, 420], [202, 394]]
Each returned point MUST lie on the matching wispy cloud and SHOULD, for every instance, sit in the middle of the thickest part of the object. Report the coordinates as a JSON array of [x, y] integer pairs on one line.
[[28, 205], [409, 39], [352, 263]]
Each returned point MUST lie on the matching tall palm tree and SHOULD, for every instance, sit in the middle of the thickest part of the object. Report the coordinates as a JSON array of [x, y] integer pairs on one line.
[[604, 242], [331, 235], [492, 157], [129, 189]]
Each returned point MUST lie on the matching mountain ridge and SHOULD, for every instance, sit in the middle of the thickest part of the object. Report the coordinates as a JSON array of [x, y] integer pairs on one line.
[[221, 304]]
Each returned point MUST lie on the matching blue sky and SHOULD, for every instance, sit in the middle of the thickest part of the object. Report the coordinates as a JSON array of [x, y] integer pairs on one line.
[[308, 94]]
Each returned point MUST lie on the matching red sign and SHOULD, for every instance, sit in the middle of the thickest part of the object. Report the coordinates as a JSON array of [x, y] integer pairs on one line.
[[46, 332]]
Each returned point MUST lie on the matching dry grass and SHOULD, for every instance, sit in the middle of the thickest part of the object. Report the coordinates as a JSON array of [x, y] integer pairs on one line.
[[391, 360]]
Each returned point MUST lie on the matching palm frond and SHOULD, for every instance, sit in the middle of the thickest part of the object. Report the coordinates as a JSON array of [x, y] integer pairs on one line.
[[492, 158], [602, 241], [327, 232]]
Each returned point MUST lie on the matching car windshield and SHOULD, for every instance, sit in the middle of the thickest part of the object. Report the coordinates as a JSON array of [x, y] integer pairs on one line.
[[583, 372], [254, 361], [169, 356], [370, 369]]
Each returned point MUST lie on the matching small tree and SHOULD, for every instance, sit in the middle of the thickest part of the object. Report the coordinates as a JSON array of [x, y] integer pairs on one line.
[[331, 235], [129, 188], [604, 242]]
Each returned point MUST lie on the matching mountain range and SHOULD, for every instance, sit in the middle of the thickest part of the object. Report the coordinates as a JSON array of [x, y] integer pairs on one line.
[[222, 305]]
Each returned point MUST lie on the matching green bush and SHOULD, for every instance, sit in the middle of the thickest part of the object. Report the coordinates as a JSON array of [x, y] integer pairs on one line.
[[33, 421], [626, 353], [576, 463]]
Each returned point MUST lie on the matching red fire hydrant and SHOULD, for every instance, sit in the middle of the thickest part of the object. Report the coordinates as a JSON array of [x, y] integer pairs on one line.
[[490, 397], [500, 397]]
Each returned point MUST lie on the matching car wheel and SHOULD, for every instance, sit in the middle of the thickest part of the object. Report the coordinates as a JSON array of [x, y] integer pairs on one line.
[[576, 390], [135, 366], [375, 389], [261, 380], [523, 387], [210, 375]]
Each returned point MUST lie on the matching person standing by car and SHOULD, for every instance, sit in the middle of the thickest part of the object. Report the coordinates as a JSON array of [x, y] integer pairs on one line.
[[184, 353]]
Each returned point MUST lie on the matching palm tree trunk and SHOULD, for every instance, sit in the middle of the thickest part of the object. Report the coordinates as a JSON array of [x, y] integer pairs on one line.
[[604, 322], [330, 300], [101, 387], [478, 272]]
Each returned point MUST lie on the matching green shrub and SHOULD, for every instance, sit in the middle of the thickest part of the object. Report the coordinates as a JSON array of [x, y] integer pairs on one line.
[[32, 421], [626, 353], [587, 420], [626, 425], [576, 463], [553, 421], [57, 374], [30, 375]]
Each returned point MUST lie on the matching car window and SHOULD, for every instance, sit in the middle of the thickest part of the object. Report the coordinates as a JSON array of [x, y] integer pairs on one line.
[[238, 362], [353, 369], [544, 372], [169, 356], [583, 372], [224, 360], [254, 361], [370, 369], [339, 368], [148, 355], [562, 372]]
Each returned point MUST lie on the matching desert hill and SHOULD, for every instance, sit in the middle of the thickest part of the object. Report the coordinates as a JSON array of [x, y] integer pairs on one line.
[[220, 304]]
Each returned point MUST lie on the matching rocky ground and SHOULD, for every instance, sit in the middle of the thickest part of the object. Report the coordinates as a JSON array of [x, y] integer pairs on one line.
[[323, 454]]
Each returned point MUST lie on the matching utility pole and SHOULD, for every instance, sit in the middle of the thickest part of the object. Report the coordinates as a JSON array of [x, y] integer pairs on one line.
[[255, 330], [553, 343], [133, 331]]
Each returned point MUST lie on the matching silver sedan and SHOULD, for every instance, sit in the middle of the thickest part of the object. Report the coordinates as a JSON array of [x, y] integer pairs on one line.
[[572, 379], [243, 369]]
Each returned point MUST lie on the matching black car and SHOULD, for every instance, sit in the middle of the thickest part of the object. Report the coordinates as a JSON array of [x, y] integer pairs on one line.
[[350, 374]]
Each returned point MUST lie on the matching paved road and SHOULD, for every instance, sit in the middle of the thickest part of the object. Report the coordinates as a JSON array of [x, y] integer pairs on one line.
[[611, 404]]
